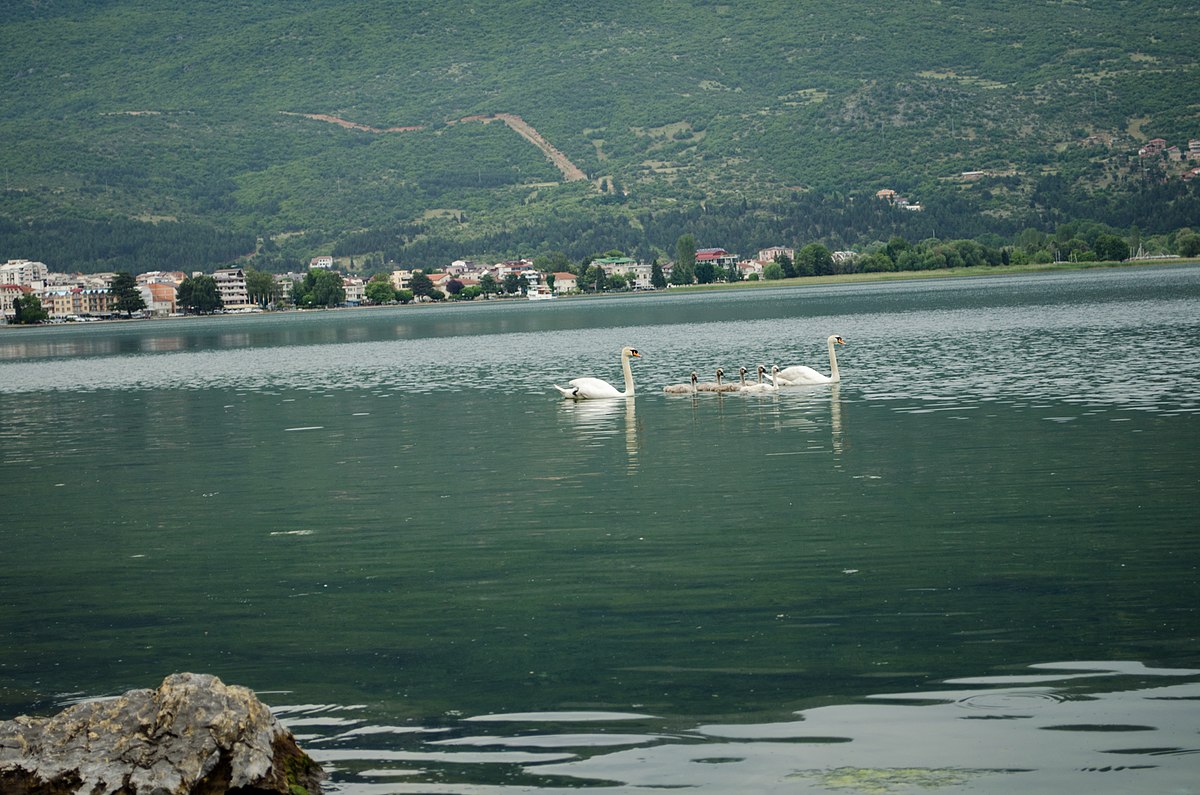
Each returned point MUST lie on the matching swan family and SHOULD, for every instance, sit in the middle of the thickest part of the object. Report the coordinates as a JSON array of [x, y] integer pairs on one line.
[[588, 388]]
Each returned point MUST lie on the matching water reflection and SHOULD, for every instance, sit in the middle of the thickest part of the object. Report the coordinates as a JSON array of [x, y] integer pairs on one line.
[[1090, 339], [1094, 727], [594, 421]]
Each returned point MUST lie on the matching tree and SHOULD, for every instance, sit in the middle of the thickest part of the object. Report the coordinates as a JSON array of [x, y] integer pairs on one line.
[[550, 281], [261, 287], [785, 264], [487, 283], [512, 283], [551, 262], [321, 288], [1187, 244], [684, 271], [404, 296], [454, 287], [657, 280], [706, 273], [1111, 248], [895, 245], [814, 259], [773, 271], [593, 278], [470, 292], [28, 310], [127, 297], [420, 284], [199, 294], [379, 290]]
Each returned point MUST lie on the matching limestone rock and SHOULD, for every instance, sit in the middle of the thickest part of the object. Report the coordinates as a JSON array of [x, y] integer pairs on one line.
[[194, 735]]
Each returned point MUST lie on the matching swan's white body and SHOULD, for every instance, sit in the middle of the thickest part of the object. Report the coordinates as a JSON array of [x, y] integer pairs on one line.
[[682, 389], [588, 388], [798, 374], [762, 387]]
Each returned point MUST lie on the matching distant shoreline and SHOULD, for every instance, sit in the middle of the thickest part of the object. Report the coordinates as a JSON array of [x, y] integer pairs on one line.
[[974, 270], [762, 284]]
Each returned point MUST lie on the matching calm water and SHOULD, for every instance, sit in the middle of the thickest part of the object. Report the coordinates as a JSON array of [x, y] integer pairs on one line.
[[971, 566]]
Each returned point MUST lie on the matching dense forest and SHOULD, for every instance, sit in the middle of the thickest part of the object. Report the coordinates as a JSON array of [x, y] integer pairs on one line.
[[151, 134]]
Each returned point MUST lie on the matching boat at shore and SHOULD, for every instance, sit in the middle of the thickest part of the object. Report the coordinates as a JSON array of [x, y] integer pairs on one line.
[[540, 295]]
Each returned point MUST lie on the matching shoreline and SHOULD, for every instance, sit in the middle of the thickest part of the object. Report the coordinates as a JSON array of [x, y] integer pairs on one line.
[[762, 284], [967, 272]]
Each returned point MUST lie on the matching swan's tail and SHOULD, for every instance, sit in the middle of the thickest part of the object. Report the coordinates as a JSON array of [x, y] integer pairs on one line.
[[568, 392]]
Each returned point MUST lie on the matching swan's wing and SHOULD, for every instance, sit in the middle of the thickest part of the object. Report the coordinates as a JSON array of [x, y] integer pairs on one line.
[[799, 374], [590, 388]]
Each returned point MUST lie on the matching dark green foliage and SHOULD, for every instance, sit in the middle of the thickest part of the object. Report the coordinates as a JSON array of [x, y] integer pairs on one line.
[[70, 244], [199, 294], [379, 289], [123, 288], [320, 288], [27, 310], [1187, 244], [657, 279], [420, 284], [684, 271], [193, 114], [261, 287]]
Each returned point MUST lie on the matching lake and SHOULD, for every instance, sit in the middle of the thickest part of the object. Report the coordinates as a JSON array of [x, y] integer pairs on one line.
[[969, 566]]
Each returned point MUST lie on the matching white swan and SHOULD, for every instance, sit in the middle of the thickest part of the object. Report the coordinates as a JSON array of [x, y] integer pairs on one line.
[[682, 389], [762, 387], [594, 388], [799, 374]]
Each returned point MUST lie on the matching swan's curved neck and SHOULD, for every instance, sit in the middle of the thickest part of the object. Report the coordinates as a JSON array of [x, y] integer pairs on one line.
[[628, 375], [833, 371]]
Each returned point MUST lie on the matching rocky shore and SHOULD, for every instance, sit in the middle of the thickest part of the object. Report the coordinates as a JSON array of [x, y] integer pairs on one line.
[[194, 735]]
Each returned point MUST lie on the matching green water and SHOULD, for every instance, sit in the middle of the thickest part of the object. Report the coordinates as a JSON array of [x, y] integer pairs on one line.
[[970, 566]]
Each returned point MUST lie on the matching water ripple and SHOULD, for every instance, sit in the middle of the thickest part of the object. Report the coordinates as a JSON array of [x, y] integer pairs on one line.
[[898, 741]]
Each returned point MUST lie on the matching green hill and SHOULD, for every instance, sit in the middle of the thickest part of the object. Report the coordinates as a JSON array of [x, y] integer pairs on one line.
[[763, 115]]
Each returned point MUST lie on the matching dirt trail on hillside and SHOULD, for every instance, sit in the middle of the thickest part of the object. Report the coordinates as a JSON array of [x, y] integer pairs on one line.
[[570, 171], [351, 125]]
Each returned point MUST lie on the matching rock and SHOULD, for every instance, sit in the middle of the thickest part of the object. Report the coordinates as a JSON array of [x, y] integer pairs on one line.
[[194, 735]]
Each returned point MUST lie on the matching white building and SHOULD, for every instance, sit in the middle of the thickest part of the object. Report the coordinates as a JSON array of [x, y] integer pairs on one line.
[[25, 272], [769, 254], [231, 286], [401, 279], [355, 289]]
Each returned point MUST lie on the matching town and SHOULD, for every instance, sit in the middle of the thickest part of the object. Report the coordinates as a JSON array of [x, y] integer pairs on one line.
[[81, 297]]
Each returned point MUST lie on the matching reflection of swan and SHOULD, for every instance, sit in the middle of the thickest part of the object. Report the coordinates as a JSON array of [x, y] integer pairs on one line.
[[593, 388], [835, 417], [682, 389], [762, 387], [799, 374], [597, 420]]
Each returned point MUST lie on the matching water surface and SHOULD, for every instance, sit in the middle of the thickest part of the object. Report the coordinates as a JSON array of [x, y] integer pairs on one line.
[[971, 566]]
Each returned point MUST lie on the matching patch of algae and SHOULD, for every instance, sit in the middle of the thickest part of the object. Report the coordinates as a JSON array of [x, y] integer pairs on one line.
[[882, 781]]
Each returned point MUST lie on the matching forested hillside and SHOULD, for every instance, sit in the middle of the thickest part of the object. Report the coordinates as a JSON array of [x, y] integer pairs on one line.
[[745, 124]]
